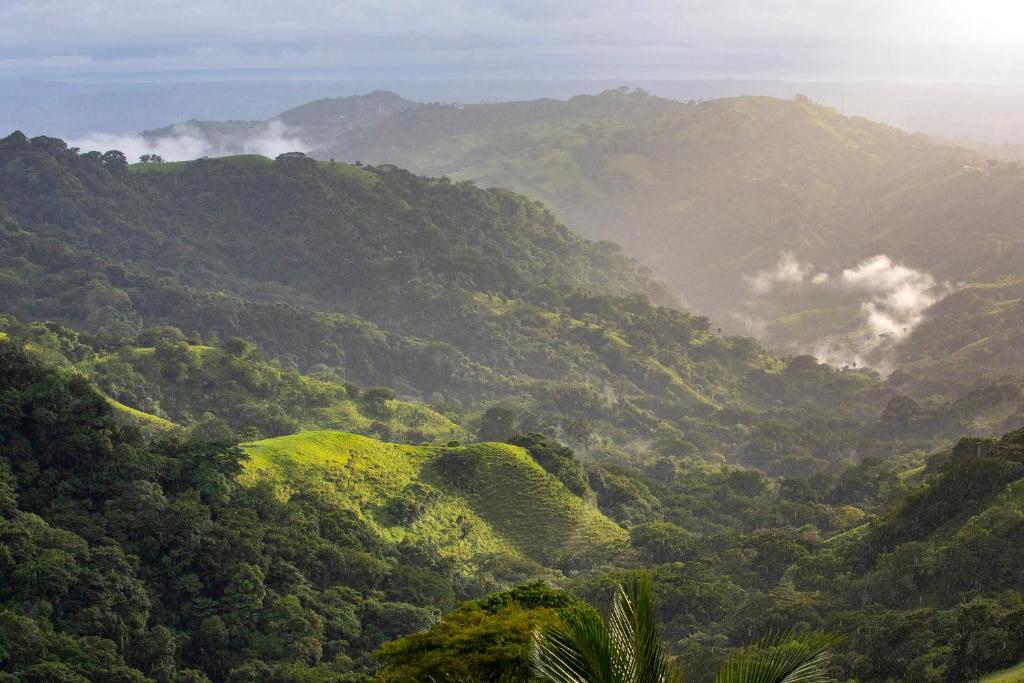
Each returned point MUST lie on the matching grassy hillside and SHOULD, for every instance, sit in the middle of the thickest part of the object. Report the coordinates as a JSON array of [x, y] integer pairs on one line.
[[467, 503], [972, 333], [1014, 674]]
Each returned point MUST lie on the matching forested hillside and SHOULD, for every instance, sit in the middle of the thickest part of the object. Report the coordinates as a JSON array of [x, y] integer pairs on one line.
[[287, 420], [144, 552], [712, 195], [710, 192], [133, 558], [461, 296], [757, 211]]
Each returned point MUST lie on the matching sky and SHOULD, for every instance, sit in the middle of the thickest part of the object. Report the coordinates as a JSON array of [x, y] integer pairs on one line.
[[834, 40]]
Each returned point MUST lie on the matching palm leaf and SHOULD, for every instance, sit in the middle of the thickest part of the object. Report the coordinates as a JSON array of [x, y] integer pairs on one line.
[[578, 650], [789, 658], [624, 648]]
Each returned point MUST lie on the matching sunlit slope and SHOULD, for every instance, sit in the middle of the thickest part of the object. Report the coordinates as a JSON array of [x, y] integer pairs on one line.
[[468, 503], [975, 332], [1012, 675]]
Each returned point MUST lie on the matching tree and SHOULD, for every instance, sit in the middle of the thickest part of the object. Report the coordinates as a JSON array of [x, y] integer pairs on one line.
[[497, 424], [626, 647], [556, 459], [114, 160], [485, 640], [789, 658]]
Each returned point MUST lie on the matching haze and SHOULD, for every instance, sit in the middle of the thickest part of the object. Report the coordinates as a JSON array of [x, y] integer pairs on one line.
[[866, 40]]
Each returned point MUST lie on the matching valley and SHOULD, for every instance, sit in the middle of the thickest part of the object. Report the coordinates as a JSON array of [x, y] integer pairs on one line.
[[716, 196]]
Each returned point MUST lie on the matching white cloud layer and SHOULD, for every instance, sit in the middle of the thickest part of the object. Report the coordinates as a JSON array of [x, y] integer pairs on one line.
[[186, 142], [788, 271], [893, 299], [897, 295]]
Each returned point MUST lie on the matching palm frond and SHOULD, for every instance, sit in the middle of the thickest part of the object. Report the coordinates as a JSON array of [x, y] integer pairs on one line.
[[624, 648], [788, 658], [578, 650], [633, 623]]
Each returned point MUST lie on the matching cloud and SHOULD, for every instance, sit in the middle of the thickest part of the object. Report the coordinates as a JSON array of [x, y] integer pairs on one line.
[[185, 141], [898, 295], [787, 271], [892, 297]]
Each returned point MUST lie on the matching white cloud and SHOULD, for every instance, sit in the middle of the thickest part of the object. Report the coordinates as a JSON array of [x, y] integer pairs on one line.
[[892, 297], [898, 295], [187, 142], [787, 271]]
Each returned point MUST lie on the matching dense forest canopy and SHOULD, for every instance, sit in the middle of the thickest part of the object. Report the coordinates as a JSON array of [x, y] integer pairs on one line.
[[290, 420]]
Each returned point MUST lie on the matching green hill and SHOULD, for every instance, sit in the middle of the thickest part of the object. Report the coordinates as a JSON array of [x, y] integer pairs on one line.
[[445, 292], [943, 567], [973, 333], [708, 194], [468, 503]]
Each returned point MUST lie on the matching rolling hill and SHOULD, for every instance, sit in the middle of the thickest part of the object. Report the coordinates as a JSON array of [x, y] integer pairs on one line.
[[443, 291], [713, 194], [467, 503]]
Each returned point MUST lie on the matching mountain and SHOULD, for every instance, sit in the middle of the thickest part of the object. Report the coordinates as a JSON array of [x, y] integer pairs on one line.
[[763, 213], [711, 194], [463, 297], [315, 123], [261, 419]]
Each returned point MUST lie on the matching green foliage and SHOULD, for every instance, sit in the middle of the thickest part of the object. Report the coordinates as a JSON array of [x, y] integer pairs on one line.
[[129, 558], [790, 658], [138, 542], [625, 647], [442, 291], [486, 640], [463, 504], [556, 459], [223, 393]]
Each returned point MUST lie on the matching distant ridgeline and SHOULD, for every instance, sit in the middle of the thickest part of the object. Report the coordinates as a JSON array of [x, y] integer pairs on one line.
[[709, 194]]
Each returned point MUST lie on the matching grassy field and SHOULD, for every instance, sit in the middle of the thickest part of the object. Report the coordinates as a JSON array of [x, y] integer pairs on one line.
[[1014, 674], [469, 504], [178, 166], [144, 419], [217, 379]]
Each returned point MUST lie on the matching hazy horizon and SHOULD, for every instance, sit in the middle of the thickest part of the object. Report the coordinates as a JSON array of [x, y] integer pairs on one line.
[[908, 41]]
